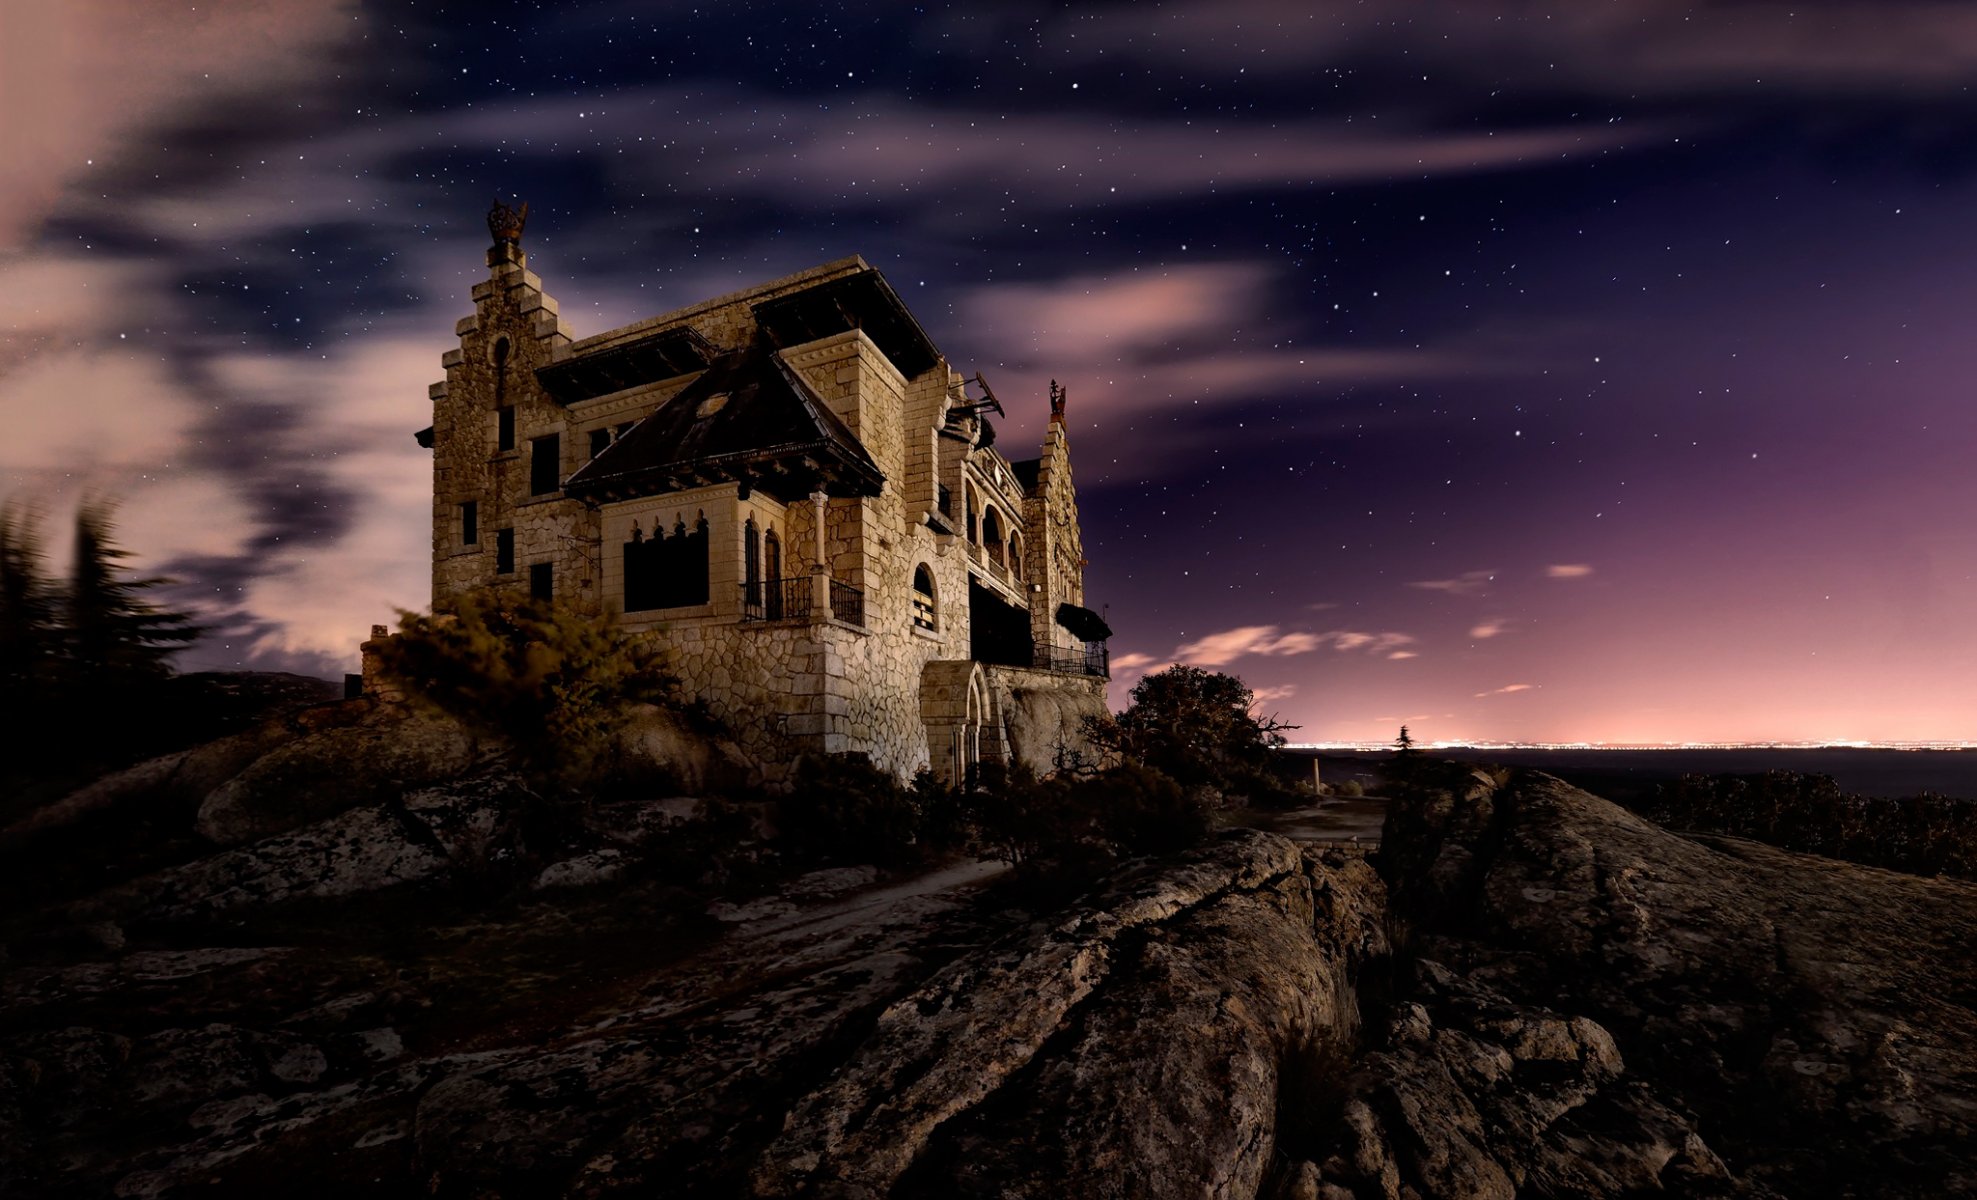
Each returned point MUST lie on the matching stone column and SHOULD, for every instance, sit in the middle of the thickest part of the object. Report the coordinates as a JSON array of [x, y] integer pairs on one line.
[[820, 578]]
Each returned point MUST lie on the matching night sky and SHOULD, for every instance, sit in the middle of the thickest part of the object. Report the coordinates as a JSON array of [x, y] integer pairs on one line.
[[1591, 371]]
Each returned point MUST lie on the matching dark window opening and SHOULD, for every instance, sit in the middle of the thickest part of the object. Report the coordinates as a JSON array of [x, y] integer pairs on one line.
[[542, 581], [751, 563], [622, 430], [599, 439], [501, 352], [772, 563], [545, 464], [504, 552], [923, 599], [998, 632], [666, 570], [504, 427], [945, 499], [470, 523]]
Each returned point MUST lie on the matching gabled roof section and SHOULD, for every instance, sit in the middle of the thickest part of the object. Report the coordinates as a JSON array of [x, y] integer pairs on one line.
[[749, 418], [859, 301], [665, 354]]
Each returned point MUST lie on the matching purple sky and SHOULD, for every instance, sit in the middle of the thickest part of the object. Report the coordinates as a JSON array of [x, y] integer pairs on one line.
[[1517, 371]]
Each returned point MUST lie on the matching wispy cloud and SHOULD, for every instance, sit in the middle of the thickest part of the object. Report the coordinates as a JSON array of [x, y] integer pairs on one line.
[[1507, 689], [1489, 628], [1469, 583], [1568, 570], [1220, 649]]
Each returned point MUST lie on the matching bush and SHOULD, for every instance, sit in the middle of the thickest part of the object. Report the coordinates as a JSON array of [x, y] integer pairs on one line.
[[1927, 834], [1128, 809], [553, 683], [1196, 727], [842, 807], [1351, 789]]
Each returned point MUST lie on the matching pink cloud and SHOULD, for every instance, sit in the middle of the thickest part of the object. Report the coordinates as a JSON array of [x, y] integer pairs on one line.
[[1489, 628], [1219, 649], [92, 71], [1506, 690], [1568, 571], [1469, 583]]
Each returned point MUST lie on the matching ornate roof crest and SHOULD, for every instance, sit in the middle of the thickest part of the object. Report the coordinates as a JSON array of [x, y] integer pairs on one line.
[[506, 223]]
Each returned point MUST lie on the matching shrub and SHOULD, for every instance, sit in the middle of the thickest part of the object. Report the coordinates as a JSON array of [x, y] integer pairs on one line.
[[843, 807], [553, 683], [1925, 835], [1351, 789], [1129, 809], [1197, 727]]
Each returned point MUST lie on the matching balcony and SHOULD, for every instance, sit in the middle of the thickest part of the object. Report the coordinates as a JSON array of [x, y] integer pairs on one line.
[[794, 600], [1094, 660]]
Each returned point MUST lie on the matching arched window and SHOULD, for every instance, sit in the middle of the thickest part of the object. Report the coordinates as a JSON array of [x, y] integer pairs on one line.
[[968, 501], [1015, 555], [926, 614], [992, 533]]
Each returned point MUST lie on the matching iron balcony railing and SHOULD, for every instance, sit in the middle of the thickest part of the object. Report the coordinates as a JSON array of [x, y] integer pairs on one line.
[[776, 599], [1094, 660], [790, 600], [847, 603]]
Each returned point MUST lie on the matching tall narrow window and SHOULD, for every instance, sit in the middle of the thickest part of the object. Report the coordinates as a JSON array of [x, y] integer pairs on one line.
[[751, 565], [504, 552], [542, 581], [992, 533], [470, 523], [772, 567], [545, 464], [504, 427], [1015, 556], [924, 614], [599, 439]]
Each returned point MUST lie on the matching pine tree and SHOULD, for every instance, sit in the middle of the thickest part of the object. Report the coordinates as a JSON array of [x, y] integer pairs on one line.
[[113, 634], [30, 633]]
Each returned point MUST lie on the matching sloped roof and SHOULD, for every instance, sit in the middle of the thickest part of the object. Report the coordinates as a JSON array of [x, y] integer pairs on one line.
[[860, 301], [650, 358], [748, 418]]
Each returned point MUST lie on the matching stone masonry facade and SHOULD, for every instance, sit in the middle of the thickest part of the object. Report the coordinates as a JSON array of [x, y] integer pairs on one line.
[[791, 490]]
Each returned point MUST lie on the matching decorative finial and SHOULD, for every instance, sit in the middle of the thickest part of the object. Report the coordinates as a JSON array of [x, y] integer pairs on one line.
[[1057, 397], [506, 223]]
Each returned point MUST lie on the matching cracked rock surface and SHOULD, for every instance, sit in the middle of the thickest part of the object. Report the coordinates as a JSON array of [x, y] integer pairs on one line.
[[1534, 995]]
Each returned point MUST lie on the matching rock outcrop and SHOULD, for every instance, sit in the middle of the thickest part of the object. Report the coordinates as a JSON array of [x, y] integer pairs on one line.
[[1810, 1019], [1544, 997]]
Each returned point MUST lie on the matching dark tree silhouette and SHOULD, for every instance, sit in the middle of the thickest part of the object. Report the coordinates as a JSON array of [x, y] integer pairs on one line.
[[113, 634], [30, 603], [1194, 725]]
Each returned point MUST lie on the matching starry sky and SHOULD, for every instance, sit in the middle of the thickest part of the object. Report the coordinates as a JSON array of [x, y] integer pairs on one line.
[[1518, 371]]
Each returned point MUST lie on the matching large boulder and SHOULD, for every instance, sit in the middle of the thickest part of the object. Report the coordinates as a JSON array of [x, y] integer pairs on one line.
[[661, 740], [1814, 1015], [466, 826], [1137, 1047], [394, 750]]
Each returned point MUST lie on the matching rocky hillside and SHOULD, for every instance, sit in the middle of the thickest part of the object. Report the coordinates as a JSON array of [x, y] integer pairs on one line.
[[354, 957]]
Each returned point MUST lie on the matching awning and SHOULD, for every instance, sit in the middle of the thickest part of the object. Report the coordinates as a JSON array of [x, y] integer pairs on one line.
[[1084, 624]]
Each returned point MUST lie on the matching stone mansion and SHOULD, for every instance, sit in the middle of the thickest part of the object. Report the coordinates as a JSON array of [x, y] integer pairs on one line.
[[793, 491]]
